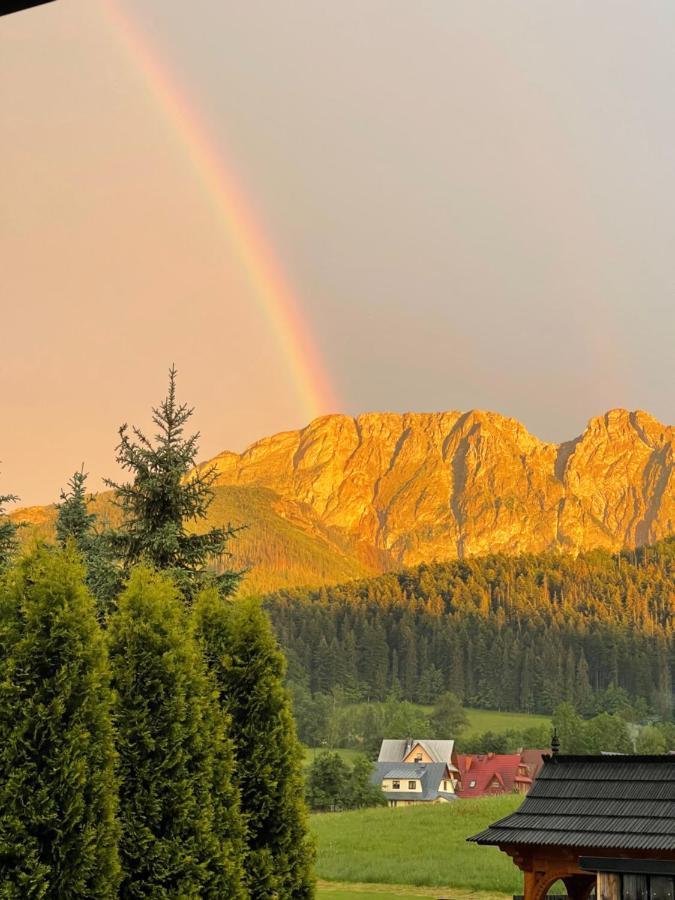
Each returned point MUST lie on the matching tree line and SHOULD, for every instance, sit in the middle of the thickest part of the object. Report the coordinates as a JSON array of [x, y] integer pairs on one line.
[[522, 633], [147, 746]]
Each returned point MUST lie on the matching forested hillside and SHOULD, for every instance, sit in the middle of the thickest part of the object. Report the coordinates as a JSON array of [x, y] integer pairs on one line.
[[513, 633]]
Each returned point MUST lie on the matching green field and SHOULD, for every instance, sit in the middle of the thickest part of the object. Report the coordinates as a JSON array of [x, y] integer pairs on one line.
[[336, 891], [347, 755], [481, 720], [415, 845], [347, 892]]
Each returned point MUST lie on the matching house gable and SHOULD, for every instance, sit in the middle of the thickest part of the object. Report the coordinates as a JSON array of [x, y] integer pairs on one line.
[[418, 754]]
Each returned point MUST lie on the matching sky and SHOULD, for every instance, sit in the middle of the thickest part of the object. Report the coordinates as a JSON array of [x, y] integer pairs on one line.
[[313, 206]]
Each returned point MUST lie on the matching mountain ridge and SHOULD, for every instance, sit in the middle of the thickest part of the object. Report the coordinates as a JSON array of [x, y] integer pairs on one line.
[[444, 485], [348, 497]]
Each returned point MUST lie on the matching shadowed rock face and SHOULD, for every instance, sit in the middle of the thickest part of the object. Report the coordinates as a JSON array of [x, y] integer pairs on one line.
[[424, 486]]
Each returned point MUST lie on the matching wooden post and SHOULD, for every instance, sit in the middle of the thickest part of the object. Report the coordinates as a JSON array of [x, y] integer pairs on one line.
[[530, 888], [608, 886]]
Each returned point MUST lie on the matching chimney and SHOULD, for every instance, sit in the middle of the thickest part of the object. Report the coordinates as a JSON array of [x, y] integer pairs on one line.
[[408, 746], [555, 743]]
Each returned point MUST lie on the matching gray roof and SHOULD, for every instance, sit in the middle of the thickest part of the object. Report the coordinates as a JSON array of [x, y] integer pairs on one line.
[[431, 776], [395, 750], [622, 802], [405, 770]]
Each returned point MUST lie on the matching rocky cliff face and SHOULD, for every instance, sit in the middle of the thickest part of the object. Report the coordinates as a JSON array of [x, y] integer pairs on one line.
[[420, 487]]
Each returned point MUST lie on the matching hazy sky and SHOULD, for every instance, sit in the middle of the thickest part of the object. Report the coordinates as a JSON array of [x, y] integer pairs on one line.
[[473, 199]]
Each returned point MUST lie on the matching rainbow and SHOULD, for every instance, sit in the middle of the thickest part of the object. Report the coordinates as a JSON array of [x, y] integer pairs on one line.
[[241, 229]]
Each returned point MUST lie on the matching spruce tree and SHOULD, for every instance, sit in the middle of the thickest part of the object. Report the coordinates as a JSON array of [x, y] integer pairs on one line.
[[8, 532], [73, 519], [168, 491], [181, 828], [58, 791], [74, 523], [249, 668]]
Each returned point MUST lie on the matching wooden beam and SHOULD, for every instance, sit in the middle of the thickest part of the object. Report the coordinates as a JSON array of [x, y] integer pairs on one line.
[[626, 864], [608, 886]]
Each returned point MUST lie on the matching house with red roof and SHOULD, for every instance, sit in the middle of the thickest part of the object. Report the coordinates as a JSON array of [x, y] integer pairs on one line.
[[488, 774]]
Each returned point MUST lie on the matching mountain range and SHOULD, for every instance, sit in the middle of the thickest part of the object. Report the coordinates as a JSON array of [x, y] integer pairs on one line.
[[348, 497]]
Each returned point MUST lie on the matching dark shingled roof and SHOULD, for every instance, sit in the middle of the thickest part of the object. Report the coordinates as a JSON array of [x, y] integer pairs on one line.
[[623, 802]]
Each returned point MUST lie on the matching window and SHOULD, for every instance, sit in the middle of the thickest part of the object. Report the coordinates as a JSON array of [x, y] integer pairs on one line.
[[412, 785], [418, 758], [445, 785], [396, 785], [472, 784], [393, 802]]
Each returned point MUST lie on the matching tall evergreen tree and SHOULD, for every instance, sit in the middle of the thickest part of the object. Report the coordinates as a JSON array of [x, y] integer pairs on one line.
[[181, 828], [166, 493], [249, 668], [74, 523], [73, 519], [8, 532], [58, 792]]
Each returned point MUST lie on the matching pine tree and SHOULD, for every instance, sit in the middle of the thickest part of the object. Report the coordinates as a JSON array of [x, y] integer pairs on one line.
[[74, 523], [249, 668], [73, 520], [58, 791], [181, 829], [8, 532], [166, 493], [583, 693]]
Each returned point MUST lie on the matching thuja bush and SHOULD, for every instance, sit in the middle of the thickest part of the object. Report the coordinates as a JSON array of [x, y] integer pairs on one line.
[[58, 792], [248, 666], [182, 834]]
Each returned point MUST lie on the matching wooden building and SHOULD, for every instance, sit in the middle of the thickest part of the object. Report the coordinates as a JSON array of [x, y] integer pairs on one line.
[[490, 774], [416, 771], [604, 822]]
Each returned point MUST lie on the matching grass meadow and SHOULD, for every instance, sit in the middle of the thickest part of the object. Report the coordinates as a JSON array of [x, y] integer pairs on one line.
[[481, 720], [415, 845], [333, 891]]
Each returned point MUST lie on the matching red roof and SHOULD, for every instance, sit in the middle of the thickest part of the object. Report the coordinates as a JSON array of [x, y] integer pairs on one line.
[[534, 760], [491, 773]]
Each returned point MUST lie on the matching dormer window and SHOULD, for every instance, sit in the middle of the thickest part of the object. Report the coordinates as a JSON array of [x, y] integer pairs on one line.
[[396, 785], [412, 785]]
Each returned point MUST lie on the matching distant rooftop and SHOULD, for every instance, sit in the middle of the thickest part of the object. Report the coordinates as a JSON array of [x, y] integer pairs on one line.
[[397, 750], [430, 775], [623, 802]]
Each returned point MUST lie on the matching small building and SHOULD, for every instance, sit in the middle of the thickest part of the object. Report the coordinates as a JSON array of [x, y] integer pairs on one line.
[[603, 822], [415, 771], [488, 774]]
